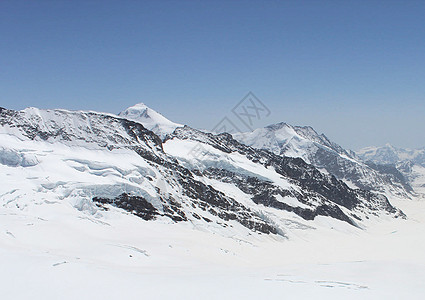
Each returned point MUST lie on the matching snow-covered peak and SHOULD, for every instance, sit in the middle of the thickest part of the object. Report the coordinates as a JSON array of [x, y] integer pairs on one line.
[[314, 148], [150, 119], [282, 138]]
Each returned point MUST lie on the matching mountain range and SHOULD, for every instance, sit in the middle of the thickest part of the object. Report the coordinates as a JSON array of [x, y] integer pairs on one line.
[[410, 162], [274, 180]]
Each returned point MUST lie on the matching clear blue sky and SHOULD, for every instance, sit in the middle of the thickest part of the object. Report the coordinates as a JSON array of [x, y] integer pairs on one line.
[[354, 70]]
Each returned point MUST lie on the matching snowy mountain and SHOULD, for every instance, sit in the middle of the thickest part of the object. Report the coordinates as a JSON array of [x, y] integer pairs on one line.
[[304, 142], [150, 119], [294, 141], [410, 162], [98, 205], [392, 155], [99, 163]]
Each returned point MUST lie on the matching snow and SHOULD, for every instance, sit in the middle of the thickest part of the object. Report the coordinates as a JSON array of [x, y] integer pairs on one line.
[[293, 141], [291, 201], [13, 158], [150, 119], [212, 157], [53, 251], [276, 139], [418, 183], [71, 173], [392, 155]]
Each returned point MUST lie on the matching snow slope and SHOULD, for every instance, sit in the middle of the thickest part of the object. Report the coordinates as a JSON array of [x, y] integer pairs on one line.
[[150, 119], [54, 251]]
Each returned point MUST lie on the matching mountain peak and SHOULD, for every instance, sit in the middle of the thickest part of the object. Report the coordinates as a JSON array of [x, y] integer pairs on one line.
[[277, 126], [389, 146], [283, 138], [140, 105], [150, 119]]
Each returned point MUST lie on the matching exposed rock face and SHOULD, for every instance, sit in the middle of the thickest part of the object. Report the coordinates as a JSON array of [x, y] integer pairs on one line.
[[134, 204]]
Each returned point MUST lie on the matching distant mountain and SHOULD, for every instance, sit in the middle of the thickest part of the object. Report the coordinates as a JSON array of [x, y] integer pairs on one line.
[[410, 162], [294, 141], [150, 119], [392, 155], [304, 142]]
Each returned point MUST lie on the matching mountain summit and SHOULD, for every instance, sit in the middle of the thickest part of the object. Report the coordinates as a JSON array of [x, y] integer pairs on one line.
[[150, 119], [316, 149], [285, 139]]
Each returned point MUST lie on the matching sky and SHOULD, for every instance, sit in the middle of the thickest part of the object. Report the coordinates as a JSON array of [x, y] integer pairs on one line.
[[354, 70]]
